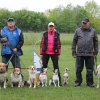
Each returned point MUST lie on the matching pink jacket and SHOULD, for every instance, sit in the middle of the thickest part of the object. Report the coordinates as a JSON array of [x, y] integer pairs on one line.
[[50, 44]]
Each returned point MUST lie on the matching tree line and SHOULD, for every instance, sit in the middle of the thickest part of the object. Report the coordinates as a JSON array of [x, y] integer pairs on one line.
[[66, 19]]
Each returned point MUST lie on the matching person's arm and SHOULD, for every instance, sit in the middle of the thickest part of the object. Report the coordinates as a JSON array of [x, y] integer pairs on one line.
[[21, 41], [3, 39], [0, 37], [95, 44], [74, 43], [41, 45], [59, 44]]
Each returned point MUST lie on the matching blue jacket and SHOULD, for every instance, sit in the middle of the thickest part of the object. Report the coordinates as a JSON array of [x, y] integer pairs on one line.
[[15, 40]]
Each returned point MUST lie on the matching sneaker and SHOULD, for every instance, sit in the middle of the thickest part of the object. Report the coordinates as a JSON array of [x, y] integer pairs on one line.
[[77, 84]]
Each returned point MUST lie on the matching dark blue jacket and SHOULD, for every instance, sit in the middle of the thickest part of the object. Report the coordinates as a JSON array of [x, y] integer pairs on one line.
[[15, 40]]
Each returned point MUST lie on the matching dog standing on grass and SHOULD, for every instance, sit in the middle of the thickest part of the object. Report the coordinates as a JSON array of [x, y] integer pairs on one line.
[[66, 76], [17, 77], [3, 75]]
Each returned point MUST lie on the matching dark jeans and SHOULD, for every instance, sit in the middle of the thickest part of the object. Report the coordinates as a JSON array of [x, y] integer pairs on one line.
[[89, 62], [14, 60], [54, 58]]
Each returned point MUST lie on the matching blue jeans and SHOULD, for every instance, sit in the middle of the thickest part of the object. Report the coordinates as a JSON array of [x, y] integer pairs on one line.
[[14, 60], [89, 63]]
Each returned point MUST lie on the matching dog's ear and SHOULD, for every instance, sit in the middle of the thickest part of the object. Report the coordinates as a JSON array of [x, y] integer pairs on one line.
[[29, 68], [35, 68], [66, 69], [6, 65], [45, 69]]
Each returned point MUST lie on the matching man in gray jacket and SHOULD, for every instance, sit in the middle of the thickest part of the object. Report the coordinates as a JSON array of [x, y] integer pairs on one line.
[[84, 49]]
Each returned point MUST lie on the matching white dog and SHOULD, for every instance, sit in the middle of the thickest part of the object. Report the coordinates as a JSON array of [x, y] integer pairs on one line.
[[33, 77], [43, 77], [66, 76], [3, 75], [55, 79], [16, 77], [98, 76]]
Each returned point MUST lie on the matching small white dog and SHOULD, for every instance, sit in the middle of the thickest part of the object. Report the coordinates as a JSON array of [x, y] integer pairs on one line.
[[16, 77], [43, 77], [3, 75], [98, 76], [33, 77], [66, 76], [55, 79]]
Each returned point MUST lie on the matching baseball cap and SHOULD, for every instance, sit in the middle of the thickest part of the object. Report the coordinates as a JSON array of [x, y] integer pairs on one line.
[[51, 24], [11, 19], [85, 20]]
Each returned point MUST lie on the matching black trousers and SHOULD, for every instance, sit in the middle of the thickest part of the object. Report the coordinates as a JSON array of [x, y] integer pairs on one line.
[[54, 58], [89, 63]]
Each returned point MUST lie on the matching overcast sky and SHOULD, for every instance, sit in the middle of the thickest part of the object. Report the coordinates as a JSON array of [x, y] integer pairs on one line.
[[39, 5]]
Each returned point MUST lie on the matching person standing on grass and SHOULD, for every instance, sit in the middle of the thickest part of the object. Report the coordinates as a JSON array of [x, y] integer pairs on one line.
[[12, 40], [84, 49], [51, 47]]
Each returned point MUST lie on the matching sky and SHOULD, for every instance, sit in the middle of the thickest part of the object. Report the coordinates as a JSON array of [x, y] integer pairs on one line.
[[39, 5]]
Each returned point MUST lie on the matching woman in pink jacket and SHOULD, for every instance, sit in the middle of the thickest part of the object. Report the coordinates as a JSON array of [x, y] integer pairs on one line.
[[51, 47]]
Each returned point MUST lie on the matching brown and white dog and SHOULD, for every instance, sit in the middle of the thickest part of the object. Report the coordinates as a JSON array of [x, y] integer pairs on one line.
[[43, 77], [66, 76], [3, 75], [33, 77], [17, 77], [98, 76]]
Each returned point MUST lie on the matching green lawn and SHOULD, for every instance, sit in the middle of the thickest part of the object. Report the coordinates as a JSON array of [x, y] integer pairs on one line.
[[68, 92]]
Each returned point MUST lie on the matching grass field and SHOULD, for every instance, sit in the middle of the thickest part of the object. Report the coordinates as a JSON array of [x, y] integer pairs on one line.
[[68, 92]]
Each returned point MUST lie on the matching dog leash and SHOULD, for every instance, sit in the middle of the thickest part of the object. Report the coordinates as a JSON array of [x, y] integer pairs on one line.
[[10, 59], [95, 65]]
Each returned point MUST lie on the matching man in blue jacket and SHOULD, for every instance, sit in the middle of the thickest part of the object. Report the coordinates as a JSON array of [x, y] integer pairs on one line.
[[12, 40]]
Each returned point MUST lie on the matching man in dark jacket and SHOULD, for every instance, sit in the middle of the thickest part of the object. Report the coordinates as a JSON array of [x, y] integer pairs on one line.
[[12, 40], [84, 49]]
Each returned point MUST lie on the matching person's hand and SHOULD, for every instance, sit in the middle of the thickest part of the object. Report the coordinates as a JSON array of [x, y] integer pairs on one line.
[[94, 54], [58, 56], [74, 55], [14, 50], [4, 39]]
